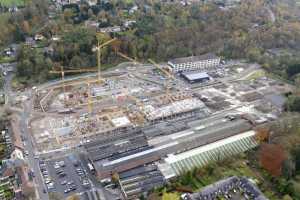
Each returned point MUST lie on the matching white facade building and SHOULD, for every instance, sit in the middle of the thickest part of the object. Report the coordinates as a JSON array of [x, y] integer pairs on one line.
[[202, 63]]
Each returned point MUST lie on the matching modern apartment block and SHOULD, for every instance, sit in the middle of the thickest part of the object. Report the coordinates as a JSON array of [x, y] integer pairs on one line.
[[202, 63]]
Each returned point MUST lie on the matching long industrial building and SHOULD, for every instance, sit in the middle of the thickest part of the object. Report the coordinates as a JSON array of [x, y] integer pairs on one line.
[[134, 155], [202, 63], [177, 164]]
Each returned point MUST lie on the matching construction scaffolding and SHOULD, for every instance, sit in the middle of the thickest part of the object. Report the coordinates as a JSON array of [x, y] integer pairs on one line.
[[182, 106]]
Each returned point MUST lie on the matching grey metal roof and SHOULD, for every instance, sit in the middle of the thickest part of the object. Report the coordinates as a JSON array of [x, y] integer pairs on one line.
[[207, 56], [195, 75], [277, 100], [139, 154]]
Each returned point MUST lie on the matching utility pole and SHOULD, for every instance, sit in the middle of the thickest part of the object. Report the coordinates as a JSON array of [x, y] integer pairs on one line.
[[99, 59]]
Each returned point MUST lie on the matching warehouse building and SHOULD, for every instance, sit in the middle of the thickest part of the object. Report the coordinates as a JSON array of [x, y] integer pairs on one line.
[[177, 164], [137, 181], [106, 168], [106, 163], [194, 77], [202, 63]]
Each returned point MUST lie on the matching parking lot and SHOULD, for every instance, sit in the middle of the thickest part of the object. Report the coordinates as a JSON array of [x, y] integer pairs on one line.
[[65, 176], [233, 188]]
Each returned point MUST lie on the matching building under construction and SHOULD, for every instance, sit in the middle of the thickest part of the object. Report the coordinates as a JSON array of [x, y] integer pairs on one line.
[[146, 123]]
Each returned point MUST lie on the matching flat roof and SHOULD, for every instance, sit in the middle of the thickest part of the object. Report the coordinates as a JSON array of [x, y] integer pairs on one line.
[[139, 154], [195, 75], [207, 56], [175, 158], [121, 121], [180, 106], [276, 99]]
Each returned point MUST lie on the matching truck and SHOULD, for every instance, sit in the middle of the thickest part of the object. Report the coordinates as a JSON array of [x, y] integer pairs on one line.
[[91, 167]]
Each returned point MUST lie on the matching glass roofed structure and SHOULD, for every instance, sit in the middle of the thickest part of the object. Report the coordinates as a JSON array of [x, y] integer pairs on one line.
[[203, 155]]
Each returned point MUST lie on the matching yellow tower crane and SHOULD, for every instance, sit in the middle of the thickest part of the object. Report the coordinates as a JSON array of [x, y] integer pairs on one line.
[[169, 76], [90, 102], [137, 101], [116, 47], [128, 58], [98, 48], [62, 72]]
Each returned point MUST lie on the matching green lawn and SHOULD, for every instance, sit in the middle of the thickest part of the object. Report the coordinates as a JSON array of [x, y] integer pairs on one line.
[[2, 150], [6, 192], [170, 196], [6, 59], [9, 3], [257, 74]]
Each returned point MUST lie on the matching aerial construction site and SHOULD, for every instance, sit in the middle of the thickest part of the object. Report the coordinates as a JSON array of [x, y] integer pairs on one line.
[[150, 122], [122, 100]]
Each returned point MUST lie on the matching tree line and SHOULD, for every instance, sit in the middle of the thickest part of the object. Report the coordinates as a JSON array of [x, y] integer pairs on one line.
[[168, 30]]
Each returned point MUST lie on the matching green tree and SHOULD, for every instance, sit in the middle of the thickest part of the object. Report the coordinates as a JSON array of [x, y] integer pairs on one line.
[[288, 168], [33, 66], [115, 178], [55, 196], [293, 103], [296, 157], [69, 15], [293, 69]]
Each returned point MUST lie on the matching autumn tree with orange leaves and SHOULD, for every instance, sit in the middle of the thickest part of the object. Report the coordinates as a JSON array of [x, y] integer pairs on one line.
[[272, 157], [262, 134]]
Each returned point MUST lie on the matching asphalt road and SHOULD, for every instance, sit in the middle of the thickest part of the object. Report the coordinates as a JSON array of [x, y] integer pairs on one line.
[[106, 195], [7, 87], [23, 123], [32, 162]]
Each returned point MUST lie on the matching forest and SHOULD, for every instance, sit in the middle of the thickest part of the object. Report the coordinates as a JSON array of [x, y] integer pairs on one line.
[[162, 31]]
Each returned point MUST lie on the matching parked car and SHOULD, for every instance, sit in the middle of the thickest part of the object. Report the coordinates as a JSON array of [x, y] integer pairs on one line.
[[60, 163], [56, 166], [64, 182], [70, 182], [63, 174]]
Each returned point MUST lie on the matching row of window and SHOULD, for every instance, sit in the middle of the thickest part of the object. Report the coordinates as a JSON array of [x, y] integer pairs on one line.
[[187, 67], [203, 62], [196, 65]]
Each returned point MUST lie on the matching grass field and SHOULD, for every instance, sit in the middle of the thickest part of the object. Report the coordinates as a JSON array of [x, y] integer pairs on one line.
[[9, 3], [257, 74], [170, 196]]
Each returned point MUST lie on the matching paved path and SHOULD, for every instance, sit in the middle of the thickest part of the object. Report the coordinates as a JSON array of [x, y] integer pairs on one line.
[[32, 162]]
